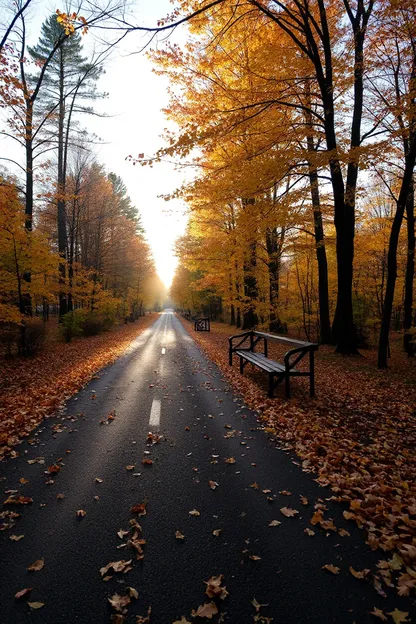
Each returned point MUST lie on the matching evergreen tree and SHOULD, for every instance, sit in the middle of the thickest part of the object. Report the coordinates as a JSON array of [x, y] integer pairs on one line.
[[70, 80]]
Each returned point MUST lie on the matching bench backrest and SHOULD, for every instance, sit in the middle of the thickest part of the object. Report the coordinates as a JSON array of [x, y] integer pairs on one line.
[[284, 339]]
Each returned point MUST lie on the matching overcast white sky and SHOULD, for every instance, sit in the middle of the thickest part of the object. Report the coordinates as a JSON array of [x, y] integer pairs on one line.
[[136, 97]]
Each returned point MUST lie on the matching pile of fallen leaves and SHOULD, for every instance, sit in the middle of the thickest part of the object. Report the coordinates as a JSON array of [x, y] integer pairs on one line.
[[33, 388], [358, 436]]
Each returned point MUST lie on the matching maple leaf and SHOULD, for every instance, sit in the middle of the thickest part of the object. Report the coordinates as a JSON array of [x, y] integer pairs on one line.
[[257, 605], [331, 568], [361, 575], [140, 509], [119, 603], [37, 565], [23, 592], [116, 566], [214, 589], [399, 617], [288, 512], [207, 610], [379, 614]]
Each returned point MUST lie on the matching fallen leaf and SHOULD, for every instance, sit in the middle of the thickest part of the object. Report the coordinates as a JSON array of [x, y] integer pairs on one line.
[[194, 512], [98, 480], [361, 575], [304, 500], [257, 605], [344, 533], [145, 619], [81, 513], [119, 603], [216, 532], [331, 568], [140, 509], [213, 485], [22, 480], [255, 486], [187, 429], [133, 593], [214, 589], [230, 460], [398, 616], [309, 532], [288, 512], [117, 618], [285, 493], [60, 496], [53, 469], [274, 523], [179, 535], [121, 533], [23, 592], [379, 614], [206, 610], [146, 462], [131, 467], [16, 538], [115, 566], [254, 557], [183, 620], [36, 605], [18, 500], [37, 565]]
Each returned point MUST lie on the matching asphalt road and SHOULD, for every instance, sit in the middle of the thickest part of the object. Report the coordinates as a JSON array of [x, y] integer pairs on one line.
[[164, 384]]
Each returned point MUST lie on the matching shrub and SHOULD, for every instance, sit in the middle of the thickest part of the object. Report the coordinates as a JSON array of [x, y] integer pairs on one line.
[[92, 325], [33, 335], [72, 324]]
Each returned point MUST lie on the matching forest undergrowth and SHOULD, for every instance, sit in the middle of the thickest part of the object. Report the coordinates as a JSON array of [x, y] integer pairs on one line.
[[34, 388], [358, 436]]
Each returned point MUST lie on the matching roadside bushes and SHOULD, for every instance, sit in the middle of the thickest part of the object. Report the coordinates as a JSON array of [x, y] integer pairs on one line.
[[83, 322]]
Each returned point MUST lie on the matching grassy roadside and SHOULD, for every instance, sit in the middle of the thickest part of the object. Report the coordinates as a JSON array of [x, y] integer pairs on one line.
[[34, 388], [358, 436]]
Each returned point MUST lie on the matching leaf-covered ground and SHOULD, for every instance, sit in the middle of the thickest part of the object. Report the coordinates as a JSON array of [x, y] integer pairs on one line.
[[358, 436], [33, 388]]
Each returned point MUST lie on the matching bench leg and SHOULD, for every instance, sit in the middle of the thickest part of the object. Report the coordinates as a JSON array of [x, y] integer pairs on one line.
[[287, 386], [271, 386], [312, 374]]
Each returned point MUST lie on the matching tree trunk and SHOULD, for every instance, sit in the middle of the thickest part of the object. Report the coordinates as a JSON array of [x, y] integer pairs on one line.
[[324, 320], [410, 272], [392, 252], [61, 208], [274, 253], [250, 318]]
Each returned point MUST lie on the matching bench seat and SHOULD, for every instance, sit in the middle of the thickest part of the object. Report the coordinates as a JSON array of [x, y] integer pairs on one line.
[[261, 361]]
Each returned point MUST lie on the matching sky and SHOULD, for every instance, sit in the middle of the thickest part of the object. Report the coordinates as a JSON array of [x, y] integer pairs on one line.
[[134, 125]]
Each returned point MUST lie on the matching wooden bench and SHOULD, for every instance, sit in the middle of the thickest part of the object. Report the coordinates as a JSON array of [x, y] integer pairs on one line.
[[245, 350], [202, 323]]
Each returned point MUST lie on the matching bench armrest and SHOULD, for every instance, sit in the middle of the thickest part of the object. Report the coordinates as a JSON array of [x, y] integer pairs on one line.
[[302, 350], [233, 348]]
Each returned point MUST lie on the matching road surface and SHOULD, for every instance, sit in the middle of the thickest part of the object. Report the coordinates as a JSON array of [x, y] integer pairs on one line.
[[165, 385]]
